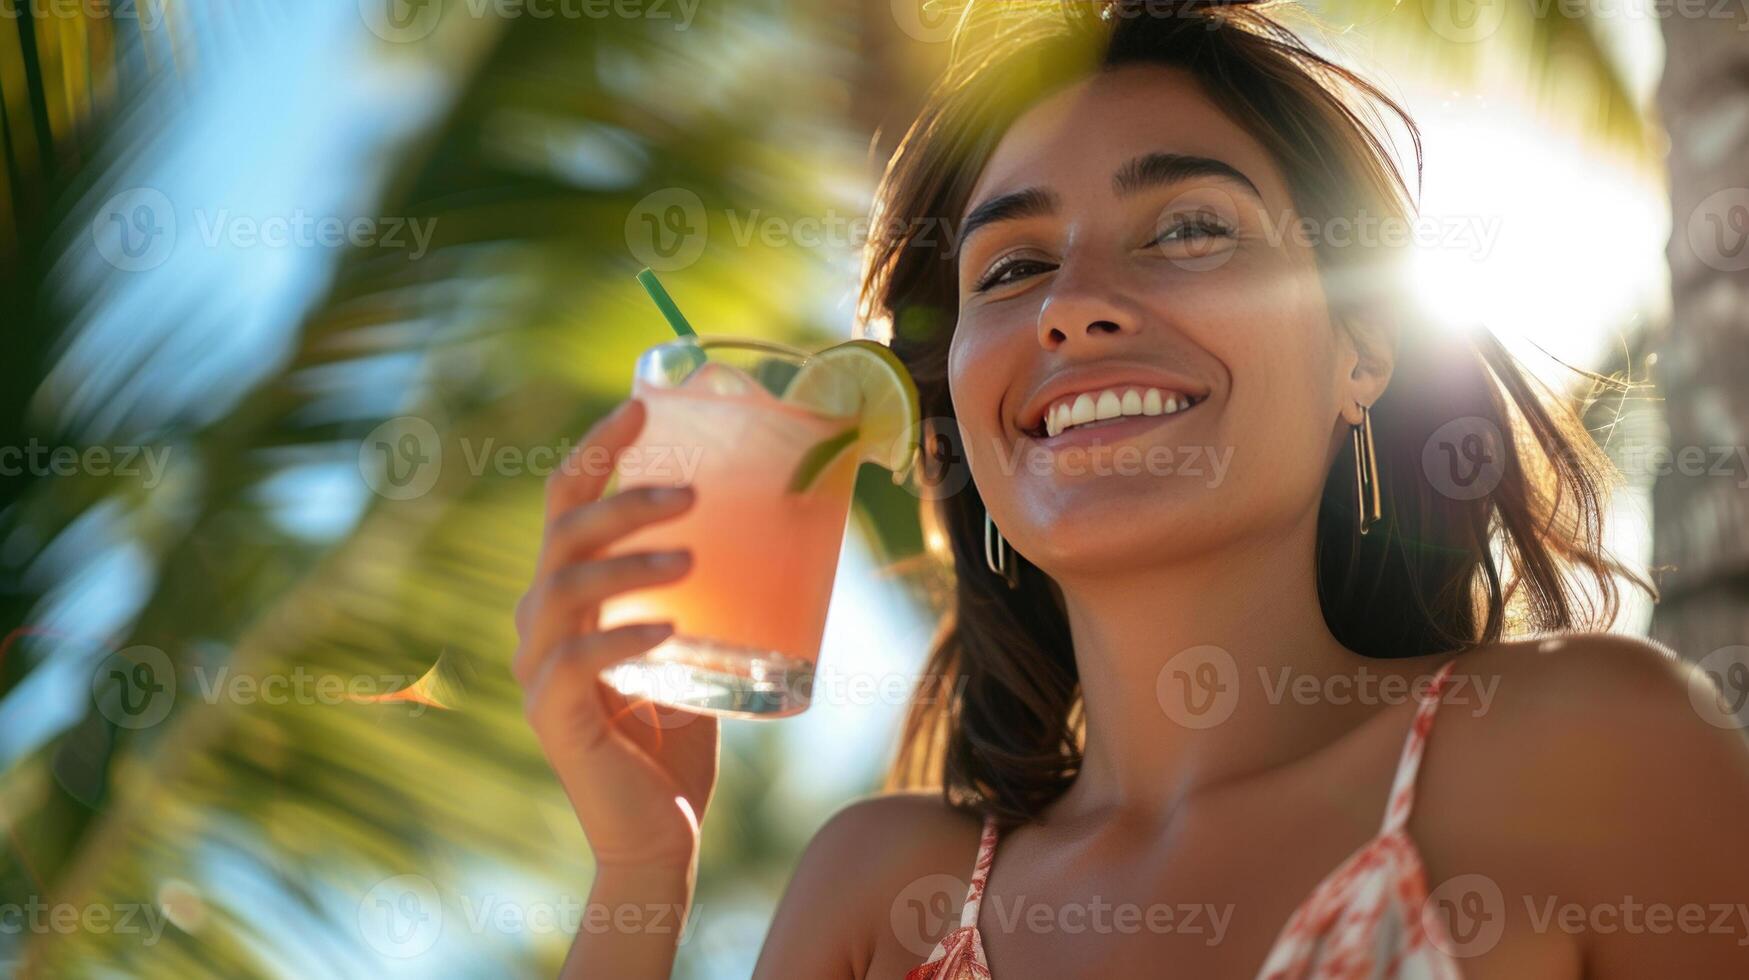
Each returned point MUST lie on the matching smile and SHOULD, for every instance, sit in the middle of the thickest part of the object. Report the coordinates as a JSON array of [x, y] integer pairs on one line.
[[1089, 417]]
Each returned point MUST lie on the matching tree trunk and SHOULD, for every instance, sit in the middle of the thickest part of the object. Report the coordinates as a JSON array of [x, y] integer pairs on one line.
[[1701, 499]]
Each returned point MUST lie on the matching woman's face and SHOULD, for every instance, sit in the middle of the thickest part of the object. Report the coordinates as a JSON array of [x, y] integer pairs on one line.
[[1127, 235]]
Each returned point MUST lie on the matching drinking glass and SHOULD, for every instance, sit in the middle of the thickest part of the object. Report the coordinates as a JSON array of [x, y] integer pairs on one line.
[[772, 497]]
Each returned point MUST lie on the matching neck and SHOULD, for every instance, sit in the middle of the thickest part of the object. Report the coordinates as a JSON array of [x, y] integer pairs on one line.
[[1180, 668]]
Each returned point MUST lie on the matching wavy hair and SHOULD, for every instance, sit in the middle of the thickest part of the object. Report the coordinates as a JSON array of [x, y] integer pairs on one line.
[[1437, 574]]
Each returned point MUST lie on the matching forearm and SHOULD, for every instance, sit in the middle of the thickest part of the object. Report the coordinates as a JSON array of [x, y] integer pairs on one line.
[[631, 926]]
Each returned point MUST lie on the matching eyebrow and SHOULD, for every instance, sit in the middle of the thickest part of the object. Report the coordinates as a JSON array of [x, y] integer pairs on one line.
[[1141, 173], [1028, 203], [1155, 169]]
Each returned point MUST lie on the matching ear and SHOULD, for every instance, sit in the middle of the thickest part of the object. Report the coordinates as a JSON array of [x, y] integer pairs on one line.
[[1366, 353]]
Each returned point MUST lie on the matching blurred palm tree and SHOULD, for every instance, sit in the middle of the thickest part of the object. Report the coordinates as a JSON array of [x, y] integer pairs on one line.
[[555, 156], [515, 329]]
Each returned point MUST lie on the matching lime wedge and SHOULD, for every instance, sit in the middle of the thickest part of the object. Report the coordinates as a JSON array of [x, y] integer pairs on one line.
[[814, 461], [866, 379]]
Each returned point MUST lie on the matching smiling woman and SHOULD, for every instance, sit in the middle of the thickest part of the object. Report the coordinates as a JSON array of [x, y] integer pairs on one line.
[[1150, 200], [1169, 243], [1178, 700]]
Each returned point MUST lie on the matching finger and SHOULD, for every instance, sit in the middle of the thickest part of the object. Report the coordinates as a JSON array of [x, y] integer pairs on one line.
[[587, 583], [570, 595], [592, 526], [553, 681], [582, 476]]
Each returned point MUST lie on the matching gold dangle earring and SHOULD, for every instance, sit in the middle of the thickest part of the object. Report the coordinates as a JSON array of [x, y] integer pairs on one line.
[[1366, 472], [998, 556]]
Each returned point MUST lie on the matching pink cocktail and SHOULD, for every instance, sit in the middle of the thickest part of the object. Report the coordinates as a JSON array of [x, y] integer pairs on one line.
[[765, 527]]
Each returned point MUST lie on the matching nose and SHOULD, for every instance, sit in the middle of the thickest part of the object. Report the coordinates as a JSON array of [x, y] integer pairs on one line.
[[1085, 303]]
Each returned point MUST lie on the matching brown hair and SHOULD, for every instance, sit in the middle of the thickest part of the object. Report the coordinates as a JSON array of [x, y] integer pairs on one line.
[[1437, 573]]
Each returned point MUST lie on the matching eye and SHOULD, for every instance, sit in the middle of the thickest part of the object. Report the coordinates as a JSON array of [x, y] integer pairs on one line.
[[1011, 269], [1199, 226]]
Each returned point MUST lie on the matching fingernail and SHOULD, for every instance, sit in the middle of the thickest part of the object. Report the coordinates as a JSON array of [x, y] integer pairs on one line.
[[672, 495]]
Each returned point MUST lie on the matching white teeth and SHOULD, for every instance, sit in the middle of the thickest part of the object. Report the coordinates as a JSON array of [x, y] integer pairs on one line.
[[1057, 418], [1082, 410], [1110, 403], [1108, 406]]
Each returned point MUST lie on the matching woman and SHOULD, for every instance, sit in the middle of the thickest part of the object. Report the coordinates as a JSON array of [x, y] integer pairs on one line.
[[1204, 618]]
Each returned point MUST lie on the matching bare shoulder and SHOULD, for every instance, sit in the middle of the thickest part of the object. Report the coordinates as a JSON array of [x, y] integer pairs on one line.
[[1590, 715], [1592, 691], [1588, 768], [864, 861]]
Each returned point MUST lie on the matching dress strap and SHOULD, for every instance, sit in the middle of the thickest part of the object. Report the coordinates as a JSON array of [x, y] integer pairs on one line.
[[1403, 786], [980, 873]]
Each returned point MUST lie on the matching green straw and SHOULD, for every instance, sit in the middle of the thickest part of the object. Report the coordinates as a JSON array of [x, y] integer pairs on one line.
[[665, 303]]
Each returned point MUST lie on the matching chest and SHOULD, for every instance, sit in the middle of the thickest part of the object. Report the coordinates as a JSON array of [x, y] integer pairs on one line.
[[1210, 897], [1213, 895]]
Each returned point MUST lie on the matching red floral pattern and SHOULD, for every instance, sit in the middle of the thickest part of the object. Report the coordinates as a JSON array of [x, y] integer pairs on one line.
[[960, 954], [1362, 922]]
